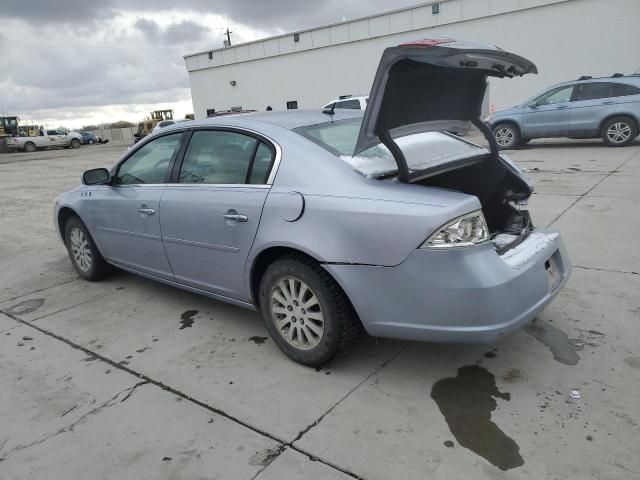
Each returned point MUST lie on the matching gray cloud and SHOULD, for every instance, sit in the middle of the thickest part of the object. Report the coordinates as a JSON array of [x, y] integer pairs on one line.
[[76, 55], [174, 34]]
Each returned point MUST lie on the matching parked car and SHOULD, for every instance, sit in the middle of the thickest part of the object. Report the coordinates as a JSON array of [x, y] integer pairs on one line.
[[88, 138], [329, 223], [47, 138], [351, 102], [607, 108]]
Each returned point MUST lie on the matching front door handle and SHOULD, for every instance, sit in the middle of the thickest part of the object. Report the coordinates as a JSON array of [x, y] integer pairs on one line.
[[233, 216], [147, 211]]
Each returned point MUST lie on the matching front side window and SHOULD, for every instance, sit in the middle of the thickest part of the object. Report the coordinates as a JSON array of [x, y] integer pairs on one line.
[[149, 164], [559, 95], [218, 157], [51, 132], [593, 91]]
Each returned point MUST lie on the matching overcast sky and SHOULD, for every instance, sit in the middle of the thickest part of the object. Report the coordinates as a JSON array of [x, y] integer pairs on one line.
[[78, 62]]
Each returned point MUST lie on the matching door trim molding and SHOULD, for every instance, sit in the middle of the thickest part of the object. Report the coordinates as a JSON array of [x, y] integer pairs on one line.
[[211, 246]]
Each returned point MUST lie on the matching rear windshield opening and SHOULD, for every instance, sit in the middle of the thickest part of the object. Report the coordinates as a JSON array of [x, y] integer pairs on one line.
[[422, 151]]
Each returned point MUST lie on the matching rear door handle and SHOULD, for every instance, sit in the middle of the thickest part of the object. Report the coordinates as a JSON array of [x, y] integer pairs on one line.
[[147, 211], [233, 216]]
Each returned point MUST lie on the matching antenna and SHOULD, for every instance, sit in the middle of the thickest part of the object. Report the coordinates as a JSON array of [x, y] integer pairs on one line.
[[330, 110], [227, 42]]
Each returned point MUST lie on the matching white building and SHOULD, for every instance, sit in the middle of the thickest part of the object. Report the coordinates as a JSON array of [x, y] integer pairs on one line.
[[307, 69]]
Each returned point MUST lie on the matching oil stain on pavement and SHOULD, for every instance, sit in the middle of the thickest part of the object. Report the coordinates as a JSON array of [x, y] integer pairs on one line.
[[25, 307], [466, 402], [187, 319], [258, 340], [563, 349]]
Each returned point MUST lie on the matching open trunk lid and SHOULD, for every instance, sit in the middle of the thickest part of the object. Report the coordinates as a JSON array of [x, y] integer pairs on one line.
[[432, 85]]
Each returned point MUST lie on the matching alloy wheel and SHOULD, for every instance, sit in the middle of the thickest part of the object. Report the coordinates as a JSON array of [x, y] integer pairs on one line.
[[504, 136], [297, 313], [619, 132], [80, 250]]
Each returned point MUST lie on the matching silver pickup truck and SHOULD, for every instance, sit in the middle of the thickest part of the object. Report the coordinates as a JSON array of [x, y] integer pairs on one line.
[[47, 138]]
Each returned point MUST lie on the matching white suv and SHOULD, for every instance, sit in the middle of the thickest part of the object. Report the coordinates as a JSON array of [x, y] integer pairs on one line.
[[349, 101]]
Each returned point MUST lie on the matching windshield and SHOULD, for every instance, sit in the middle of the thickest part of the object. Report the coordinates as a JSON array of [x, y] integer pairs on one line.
[[422, 151]]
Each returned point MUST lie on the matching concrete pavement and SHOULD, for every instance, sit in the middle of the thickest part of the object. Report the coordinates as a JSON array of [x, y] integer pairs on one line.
[[102, 380]]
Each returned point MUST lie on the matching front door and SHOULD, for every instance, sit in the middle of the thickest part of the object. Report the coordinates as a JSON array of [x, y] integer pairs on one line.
[[210, 216], [548, 115], [126, 214]]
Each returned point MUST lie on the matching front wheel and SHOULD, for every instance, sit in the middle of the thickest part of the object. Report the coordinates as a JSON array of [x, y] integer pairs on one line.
[[507, 136], [619, 131], [305, 311], [83, 252], [90, 142], [75, 143]]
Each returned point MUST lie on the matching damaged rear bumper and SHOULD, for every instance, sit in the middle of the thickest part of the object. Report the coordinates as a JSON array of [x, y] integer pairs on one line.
[[470, 295]]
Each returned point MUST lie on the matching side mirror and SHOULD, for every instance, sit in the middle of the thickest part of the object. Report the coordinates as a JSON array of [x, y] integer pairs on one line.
[[96, 176], [532, 105]]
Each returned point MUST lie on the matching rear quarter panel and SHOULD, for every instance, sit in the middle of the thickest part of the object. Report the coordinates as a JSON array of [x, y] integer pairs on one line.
[[348, 218]]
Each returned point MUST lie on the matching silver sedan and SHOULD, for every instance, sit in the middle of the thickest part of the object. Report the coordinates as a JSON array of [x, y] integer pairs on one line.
[[330, 222]]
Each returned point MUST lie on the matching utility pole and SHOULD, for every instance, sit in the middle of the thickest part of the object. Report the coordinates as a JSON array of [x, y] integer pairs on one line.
[[228, 35]]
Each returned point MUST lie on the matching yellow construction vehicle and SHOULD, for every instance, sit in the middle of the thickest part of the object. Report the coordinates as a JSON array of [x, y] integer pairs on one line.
[[146, 126], [9, 126]]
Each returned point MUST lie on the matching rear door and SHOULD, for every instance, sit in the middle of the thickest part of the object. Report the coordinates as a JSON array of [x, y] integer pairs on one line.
[[211, 211], [549, 114], [592, 103], [126, 214]]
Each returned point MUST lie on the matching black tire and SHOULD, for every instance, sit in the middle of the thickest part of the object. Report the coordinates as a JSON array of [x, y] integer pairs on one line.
[[619, 131], [30, 147], [75, 143], [507, 135], [340, 324], [98, 268]]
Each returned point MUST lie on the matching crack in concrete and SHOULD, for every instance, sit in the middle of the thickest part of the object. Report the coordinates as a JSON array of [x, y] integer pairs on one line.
[[631, 272], [148, 380], [69, 428], [376, 370], [40, 290], [593, 188]]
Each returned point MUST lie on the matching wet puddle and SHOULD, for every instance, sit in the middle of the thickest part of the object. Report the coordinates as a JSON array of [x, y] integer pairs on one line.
[[466, 401], [25, 307], [563, 349], [187, 319]]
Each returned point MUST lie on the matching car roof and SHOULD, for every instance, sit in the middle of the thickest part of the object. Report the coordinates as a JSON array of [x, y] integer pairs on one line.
[[626, 79], [290, 119]]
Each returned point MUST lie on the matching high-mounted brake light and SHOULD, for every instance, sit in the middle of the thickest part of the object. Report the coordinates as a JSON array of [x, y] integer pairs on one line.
[[427, 42]]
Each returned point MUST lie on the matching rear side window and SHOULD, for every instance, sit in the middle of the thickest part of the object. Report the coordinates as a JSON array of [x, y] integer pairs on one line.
[[261, 165], [593, 91], [624, 90], [218, 157]]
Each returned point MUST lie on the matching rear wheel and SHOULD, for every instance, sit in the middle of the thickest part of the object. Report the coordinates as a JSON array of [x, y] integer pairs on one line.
[[83, 252], [619, 131], [305, 311], [30, 147], [75, 143], [91, 142], [507, 136]]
